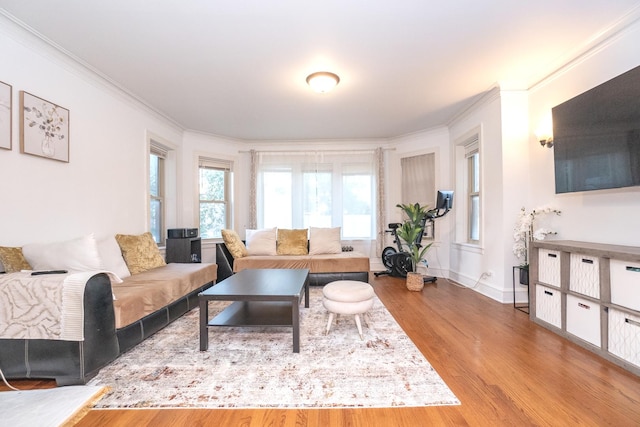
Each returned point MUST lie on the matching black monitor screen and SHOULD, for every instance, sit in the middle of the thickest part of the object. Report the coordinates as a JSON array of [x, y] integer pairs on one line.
[[445, 200]]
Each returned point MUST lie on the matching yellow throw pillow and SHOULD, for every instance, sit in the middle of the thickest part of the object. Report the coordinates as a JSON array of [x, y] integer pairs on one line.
[[292, 242], [232, 241], [13, 260], [140, 252]]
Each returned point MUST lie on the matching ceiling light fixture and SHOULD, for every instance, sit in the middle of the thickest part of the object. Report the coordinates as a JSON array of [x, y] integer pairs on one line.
[[322, 81]]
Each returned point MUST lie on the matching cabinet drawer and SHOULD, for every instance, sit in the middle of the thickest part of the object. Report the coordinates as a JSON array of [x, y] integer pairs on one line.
[[583, 319], [548, 303], [624, 336], [549, 267], [625, 284], [585, 275]]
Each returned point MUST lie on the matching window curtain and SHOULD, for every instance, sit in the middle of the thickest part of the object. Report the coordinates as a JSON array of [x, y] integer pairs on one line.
[[381, 200], [318, 189], [253, 183], [418, 180]]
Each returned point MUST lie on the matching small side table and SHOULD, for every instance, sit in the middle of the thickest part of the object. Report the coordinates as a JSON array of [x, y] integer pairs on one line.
[[522, 307]]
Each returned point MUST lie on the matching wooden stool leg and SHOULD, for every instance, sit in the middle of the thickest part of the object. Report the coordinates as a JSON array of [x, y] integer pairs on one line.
[[359, 325], [329, 323]]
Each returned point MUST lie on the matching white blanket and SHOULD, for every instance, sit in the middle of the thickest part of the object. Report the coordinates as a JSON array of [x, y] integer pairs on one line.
[[49, 306]]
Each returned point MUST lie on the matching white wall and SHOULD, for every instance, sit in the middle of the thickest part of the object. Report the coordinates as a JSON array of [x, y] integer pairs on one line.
[[604, 216], [103, 187]]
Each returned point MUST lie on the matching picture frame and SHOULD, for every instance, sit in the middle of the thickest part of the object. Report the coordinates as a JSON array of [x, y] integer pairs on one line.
[[6, 92], [44, 128]]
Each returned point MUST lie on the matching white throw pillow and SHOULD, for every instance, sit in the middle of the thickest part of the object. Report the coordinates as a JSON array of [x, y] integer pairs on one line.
[[324, 241], [111, 257], [74, 255], [261, 242]]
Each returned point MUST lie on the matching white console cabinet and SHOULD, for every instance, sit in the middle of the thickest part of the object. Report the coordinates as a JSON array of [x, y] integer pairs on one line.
[[590, 294]]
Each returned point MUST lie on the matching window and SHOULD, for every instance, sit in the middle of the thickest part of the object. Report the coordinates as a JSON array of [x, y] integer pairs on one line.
[[157, 157], [215, 196], [302, 190], [472, 156]]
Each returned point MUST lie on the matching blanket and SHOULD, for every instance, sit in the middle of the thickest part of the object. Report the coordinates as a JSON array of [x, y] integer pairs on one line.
[[44, 307]]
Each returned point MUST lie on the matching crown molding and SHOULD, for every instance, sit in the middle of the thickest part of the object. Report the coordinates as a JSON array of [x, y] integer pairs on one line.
[[598, 42], [47, 48]]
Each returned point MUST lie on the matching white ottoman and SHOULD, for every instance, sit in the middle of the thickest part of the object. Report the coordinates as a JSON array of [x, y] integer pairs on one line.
[[347, 297]]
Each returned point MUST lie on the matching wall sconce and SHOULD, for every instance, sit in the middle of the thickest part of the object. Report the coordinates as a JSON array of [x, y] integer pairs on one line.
[[545, 140], [544, 133]]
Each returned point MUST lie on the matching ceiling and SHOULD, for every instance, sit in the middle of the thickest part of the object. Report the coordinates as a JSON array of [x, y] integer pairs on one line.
[[238, 68]]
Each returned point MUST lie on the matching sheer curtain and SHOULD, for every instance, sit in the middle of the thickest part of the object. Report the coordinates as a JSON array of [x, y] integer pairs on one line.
[[318, 189]]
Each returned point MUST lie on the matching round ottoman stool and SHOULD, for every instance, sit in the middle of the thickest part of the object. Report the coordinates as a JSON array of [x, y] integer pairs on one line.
[[347, 297]]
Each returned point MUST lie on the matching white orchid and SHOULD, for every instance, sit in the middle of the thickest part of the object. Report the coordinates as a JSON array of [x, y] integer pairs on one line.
[[524, 232]]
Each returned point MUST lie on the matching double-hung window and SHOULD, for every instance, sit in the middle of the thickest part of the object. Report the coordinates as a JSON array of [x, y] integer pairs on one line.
[[472, 156], [214, 183], [157, 157]]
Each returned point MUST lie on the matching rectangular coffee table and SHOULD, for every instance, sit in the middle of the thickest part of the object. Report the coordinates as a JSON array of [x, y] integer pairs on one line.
[[263, 297]]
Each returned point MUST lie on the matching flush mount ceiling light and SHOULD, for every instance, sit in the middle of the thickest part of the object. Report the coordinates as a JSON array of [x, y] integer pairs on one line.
[[322, 81]]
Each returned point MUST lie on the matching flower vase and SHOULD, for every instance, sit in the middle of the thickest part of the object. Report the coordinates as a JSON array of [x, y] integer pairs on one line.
[[48, 147], [524, 275], [415, 281]]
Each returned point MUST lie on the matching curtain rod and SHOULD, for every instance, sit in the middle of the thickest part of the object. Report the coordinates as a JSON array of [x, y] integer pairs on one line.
[[369, 150]]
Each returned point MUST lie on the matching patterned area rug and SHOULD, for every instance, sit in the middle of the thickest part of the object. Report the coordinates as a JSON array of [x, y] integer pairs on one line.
[[255, 367]]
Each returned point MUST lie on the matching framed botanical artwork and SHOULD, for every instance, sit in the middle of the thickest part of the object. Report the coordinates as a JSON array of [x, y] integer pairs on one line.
[[44, 128], [5, 115]]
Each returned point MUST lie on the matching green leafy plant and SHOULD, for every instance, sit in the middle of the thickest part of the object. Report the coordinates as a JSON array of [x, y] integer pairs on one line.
[[410, 230]]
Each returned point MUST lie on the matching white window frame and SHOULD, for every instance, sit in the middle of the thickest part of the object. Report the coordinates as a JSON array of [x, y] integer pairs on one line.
[[227, 167], [160, 151], [465, 147]]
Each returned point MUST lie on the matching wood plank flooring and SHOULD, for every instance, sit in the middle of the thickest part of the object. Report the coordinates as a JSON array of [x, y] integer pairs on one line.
[[505, 370]]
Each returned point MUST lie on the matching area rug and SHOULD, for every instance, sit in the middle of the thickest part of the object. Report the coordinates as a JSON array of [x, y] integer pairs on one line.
[[256, 368]]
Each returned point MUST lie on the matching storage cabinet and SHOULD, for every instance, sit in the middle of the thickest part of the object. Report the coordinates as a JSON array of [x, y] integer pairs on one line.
[[184, 250], [548, 303], [590, 294]]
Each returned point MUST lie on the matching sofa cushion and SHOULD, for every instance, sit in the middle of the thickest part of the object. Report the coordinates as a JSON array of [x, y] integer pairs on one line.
[[140, 252], [344, 262], [111, 257], [324, 241], [79, 254], [142, 294], [234, 243], [261, 242], [12, 260], [292, 242]]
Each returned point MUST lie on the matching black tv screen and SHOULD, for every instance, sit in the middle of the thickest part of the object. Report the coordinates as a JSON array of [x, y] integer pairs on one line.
[[597, 137]]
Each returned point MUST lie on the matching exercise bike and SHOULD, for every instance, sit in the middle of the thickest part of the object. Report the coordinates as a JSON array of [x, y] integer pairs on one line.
[[397, 261]]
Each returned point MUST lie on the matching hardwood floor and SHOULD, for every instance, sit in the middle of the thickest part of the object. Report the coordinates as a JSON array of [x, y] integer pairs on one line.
[[505, 369]]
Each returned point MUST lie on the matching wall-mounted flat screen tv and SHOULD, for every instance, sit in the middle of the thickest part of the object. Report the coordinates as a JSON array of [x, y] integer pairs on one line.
[[597, 137]]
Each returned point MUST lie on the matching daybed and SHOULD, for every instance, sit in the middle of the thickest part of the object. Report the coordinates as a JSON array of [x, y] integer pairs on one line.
[[47, 333], [317, 249]]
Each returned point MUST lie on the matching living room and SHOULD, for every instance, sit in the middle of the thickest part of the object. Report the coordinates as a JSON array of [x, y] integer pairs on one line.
[[103, 189]]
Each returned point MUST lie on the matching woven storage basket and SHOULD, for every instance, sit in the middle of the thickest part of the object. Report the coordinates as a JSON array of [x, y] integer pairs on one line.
[[415, 281]]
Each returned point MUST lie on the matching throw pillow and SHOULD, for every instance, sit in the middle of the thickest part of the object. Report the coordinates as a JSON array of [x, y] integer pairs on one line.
[[324, 241], [292, 242], [79, 254], [261, 242], [13, 260], [111, 256], [233, 242], [140, 252]]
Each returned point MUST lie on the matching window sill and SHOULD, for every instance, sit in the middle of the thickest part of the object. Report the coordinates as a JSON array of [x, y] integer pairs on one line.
[[468, 247]]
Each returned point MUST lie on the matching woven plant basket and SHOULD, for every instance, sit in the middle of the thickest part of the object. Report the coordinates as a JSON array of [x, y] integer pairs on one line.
[[415, 281]]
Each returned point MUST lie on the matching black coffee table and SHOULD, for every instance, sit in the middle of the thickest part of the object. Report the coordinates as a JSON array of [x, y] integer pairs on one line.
[[263, 297]]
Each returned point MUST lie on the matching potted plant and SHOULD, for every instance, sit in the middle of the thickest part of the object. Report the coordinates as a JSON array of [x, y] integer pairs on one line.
[[409, 233]]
